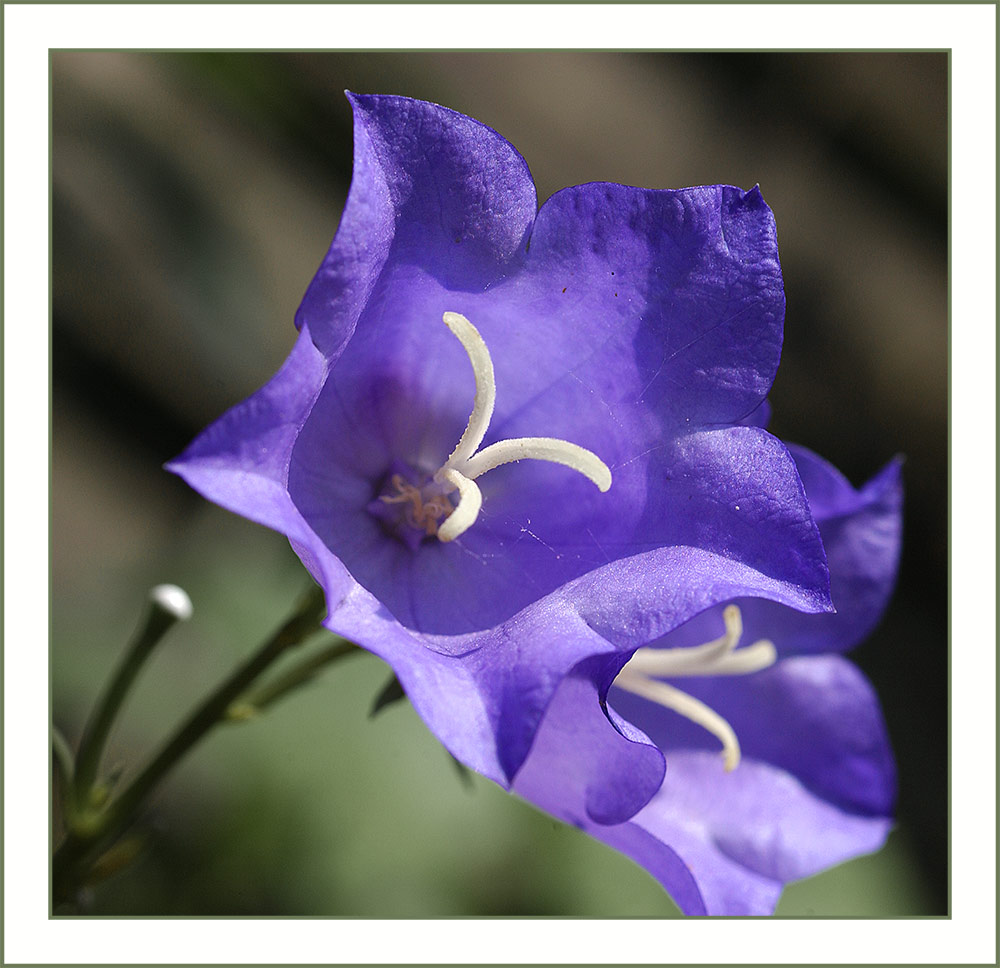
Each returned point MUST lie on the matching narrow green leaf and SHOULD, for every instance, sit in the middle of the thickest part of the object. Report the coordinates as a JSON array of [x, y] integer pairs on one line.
[[464, 773], [254, 702], [391, 692]]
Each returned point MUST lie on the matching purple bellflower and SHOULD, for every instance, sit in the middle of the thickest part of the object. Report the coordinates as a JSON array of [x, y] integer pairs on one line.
[[806, 778], [510, 442]]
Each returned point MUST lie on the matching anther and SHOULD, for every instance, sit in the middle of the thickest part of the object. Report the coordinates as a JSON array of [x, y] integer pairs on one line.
[[422, 512]]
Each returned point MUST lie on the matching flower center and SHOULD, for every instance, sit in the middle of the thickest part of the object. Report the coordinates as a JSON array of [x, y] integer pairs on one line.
[[429, 508], [422, 511], [719, 657]]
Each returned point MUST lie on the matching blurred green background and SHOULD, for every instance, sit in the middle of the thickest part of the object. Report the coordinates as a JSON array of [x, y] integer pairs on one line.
[[194, 195]]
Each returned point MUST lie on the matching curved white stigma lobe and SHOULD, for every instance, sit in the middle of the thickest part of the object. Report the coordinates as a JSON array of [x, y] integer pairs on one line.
[[556, 451], [689, 707], [470, 500], [720, 657], [464, 464], [486, 387]]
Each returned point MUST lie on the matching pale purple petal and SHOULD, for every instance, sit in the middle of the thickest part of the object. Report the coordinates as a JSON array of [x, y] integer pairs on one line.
[[241, 461], [584, 767], [745, 834]]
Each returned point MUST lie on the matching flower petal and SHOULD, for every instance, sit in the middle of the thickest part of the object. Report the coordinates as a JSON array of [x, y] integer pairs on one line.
[[587, 765], [861, 531], [814, 787], [483, 695], [696, 270], [240, 462], [744, 835], [431, 187], [760, 417]]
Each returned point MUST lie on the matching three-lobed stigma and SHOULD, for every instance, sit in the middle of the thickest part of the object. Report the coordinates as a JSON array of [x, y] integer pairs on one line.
[[643, 673], [430, 507]]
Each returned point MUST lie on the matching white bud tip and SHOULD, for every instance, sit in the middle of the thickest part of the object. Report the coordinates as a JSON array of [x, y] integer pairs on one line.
[[174, 600]]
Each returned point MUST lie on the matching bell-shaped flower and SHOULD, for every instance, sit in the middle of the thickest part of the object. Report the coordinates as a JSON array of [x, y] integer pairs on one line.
[[509, 440], [806, 777]]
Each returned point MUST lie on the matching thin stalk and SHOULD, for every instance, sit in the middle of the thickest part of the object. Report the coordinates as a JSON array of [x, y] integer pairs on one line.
[[298, 675], [63, 756], [88, 837], [163, 613]]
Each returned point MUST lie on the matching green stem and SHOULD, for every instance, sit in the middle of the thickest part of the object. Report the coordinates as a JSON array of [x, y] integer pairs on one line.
[[95, 734], [298, 675], [63, 756], [91, 834]]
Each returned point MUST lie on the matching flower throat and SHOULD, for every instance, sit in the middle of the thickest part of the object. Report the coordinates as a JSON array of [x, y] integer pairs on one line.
[[428, 507]]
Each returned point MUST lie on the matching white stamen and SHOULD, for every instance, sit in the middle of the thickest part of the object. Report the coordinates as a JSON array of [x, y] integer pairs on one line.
[[720, 657], [689, 708], [464, 464], [470, 500]]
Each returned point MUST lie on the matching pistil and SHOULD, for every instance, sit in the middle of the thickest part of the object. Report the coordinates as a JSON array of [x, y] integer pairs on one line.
[[431, 508], [720, 657]]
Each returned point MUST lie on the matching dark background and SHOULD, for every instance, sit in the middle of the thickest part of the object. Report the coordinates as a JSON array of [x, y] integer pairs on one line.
[[194, 194]]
